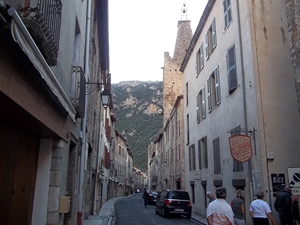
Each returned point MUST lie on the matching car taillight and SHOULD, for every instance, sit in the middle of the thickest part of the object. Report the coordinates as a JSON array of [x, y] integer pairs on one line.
[[189, 203], [168, 202]]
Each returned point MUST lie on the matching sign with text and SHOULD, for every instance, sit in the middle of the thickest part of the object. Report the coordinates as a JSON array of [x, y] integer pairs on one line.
[[240, 147]]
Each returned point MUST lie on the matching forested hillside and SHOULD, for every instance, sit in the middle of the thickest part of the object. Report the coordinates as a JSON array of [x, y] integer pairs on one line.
[[135, 106]]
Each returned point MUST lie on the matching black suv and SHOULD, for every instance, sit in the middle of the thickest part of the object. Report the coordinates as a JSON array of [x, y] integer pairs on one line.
[[173, 202]]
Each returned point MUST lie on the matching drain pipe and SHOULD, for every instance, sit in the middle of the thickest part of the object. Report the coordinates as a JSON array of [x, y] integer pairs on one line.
[[244, 91], [83, 123]]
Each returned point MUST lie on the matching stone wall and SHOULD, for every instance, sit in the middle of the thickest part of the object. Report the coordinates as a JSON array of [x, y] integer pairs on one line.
[[293, 16]]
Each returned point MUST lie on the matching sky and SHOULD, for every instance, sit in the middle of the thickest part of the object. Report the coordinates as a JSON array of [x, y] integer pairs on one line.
[[140, 31]]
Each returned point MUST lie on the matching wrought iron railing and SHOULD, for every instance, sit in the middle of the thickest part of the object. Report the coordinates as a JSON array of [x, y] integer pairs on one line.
[[43, 22], [78, 90]]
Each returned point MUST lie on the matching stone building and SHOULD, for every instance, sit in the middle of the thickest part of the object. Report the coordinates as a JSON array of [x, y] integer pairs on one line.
[[55, 132], [292, 11], [239, 88]]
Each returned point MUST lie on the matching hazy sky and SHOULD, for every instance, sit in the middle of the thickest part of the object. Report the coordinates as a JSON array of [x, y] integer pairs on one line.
[[140, 31]]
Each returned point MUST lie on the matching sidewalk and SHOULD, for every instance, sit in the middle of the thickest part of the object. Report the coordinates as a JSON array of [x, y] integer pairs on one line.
[[107, 213]]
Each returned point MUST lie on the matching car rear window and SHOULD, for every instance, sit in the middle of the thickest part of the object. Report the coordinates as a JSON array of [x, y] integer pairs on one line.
[[179, 195]]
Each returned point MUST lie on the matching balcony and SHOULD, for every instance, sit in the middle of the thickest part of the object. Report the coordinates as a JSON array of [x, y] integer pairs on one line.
[[43, 23]]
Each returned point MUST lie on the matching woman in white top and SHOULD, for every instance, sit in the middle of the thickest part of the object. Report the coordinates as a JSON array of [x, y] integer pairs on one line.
[[260, 211]]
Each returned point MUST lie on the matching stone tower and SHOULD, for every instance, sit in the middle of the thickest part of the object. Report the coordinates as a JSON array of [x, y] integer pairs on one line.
[[172, 77]]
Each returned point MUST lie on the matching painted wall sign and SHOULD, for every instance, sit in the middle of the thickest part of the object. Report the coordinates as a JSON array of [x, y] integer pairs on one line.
[[240, 147]]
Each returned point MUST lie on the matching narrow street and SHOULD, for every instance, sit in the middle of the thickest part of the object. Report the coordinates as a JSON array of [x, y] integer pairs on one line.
[[132, 211]]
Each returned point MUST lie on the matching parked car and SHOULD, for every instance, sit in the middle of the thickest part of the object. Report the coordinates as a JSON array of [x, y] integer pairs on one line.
[[173, 202], [152, 197], [137, 191]]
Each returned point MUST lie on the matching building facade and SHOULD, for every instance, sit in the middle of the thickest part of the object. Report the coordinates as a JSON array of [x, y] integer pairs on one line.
[[55, 133], [237, 61]]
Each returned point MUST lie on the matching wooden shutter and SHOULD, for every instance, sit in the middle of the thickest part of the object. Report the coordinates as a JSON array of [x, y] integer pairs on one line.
[[209, 105], [205, 152], [197, 107], [217, 86], [232, 77], [203, 107], [199, 154], [206, 45], [214, 36], [217, 157], [201, 56]]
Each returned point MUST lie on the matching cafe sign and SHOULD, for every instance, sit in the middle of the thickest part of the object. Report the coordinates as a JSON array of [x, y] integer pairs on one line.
[[240, 147]]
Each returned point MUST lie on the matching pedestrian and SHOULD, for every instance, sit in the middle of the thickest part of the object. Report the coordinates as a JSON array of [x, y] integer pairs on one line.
[[219, 211], [145, 197], [238, 207], [283, 205], [210, 196], [260, 211]]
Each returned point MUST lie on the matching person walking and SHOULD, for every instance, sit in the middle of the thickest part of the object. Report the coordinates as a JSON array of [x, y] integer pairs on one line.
[[219, 211], [145, 197], [238, 207], [283, 205], [210, 196], [260, 211]]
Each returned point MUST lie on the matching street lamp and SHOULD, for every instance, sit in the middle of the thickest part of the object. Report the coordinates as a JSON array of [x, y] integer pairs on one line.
[[105, 98]]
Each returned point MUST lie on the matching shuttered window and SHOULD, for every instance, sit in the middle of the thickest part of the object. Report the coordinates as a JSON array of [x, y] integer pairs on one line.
[[199, 154], [192, 159], [227, 12], [199, 60], [198, 102], [217, 157], [214, 35], [217, 86], [231, 65]]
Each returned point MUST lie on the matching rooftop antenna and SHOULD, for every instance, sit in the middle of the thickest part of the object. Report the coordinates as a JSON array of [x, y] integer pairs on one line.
[[184, 12]]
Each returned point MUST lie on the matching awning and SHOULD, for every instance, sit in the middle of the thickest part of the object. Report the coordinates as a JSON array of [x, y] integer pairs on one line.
[[21, 35]]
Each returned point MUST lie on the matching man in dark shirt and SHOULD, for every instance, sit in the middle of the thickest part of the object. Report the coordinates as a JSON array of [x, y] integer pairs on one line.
[[283, 205], [145, 197]]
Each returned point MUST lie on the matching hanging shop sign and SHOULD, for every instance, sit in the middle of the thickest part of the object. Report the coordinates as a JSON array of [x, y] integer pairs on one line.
[[240, 147]]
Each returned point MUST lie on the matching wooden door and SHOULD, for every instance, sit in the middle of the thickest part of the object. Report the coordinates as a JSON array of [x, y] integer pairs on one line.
[[18, 164]]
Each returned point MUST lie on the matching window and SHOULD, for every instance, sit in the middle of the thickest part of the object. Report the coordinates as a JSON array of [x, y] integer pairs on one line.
[[231, 67], [192, 159], [227, 12], [119, 149], [187, 129], [237, 166], [187, 93], [199, 60], [210, 39], [200, 105], [217, 157], [202, 153], [213, 90], [178, 127]]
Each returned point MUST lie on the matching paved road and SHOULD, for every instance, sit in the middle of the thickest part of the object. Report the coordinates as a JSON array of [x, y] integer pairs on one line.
[[132, 211]]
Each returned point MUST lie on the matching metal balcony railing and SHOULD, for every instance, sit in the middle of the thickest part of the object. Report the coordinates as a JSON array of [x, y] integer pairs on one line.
[[43, 22], [78, 87]]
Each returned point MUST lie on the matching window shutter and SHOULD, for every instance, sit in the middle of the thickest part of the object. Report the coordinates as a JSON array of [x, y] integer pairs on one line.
[[217, 85], [205, 152], [225, 12], [203, 103], [206, 45], [199, 154], [232, 77], [201, 56], [208, 94], [217, 157], [228, 11], [190, 157], [194, 157], [214, 36], [197, 107]]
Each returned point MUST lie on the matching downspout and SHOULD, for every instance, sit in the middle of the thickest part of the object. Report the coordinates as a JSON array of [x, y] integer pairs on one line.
[[244, 92], [83, 124]]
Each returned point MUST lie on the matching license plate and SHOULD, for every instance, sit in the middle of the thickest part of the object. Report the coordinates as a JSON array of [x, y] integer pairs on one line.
[[178, 210]]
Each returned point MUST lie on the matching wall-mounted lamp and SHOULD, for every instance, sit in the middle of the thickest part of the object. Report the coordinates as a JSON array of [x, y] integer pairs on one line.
[[105, 95], [105, 98]]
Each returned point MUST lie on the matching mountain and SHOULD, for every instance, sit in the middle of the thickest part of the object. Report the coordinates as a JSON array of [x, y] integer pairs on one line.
[[135, 104]]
